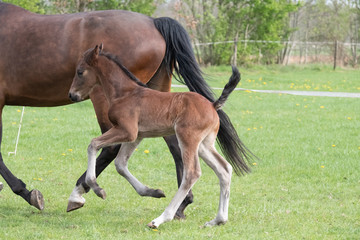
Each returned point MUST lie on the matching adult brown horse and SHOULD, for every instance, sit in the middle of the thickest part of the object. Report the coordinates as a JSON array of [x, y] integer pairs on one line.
[[39, 55]]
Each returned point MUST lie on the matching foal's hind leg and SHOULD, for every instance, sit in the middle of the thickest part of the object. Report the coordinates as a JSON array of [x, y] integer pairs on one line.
[[223, 170], [174, 148], [192, 173], [121, 161]]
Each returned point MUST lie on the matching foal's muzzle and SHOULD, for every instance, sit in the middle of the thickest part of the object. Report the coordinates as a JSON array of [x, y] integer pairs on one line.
[[74, 97]]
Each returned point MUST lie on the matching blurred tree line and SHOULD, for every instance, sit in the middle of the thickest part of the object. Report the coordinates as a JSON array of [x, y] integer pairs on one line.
[[146, 7], [267, 31], [241, 31]]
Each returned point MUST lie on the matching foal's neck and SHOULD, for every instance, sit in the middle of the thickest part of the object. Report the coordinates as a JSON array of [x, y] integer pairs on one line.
[[114, 81]]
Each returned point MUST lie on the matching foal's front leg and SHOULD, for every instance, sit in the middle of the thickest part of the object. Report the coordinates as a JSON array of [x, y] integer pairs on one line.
[[90, 178], [112, 137]]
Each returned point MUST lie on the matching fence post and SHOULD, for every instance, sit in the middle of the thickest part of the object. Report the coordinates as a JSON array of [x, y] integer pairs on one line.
[[335, 53], [235, 49]]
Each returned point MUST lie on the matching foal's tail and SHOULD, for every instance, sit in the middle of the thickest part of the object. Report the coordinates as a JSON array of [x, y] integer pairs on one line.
[[179, 55], [229, 87]]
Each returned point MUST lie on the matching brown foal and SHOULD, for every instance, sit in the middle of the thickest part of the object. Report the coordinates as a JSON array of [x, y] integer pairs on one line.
[[138, 112]]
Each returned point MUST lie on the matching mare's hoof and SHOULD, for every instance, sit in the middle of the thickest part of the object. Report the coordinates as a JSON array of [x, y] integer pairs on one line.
[[73, 206], [1, 186], [152, 225], [158, 193], [37, 199], [100, 193], [180, 215]]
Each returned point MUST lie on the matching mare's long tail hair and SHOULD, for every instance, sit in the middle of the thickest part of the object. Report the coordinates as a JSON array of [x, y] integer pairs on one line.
[[180, 56]]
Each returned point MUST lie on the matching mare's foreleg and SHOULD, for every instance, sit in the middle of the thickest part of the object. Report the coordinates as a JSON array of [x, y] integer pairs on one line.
[[121, 161], [191, 174], [34, 197]]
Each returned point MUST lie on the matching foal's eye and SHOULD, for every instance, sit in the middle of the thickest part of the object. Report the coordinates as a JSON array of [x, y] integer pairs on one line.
[[80, 73]]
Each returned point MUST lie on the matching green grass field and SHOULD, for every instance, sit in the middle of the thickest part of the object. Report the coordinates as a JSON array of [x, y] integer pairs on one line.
[[306, 185]]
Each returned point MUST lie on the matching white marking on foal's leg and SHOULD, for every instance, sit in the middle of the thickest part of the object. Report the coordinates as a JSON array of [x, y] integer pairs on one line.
[[224, 171], [90, 178], [170, 211], [121, 161], [191, 175], [76, 195], [90, 173]]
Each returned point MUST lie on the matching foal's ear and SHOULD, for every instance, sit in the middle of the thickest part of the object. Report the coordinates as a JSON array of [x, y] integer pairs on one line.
[[101, 47], [91, 56], [96, 51]]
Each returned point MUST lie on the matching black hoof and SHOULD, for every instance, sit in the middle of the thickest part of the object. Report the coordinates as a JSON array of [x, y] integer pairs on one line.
[[37, 199], [1, 186], [188, 200], [180, 214]]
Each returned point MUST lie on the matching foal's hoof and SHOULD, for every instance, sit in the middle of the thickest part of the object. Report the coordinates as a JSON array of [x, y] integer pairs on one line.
[[215, 222], [73, 206], [152, 225], [100, 192], [158, 193], [1, 186], [37, 199]]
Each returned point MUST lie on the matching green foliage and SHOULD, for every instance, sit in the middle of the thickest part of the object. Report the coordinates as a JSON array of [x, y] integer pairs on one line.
[[146, 7], [272, 25], [325, 14], [31, 5], [248, 19]]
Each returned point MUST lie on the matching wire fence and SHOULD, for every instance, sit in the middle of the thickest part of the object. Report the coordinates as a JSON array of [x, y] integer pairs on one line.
[[298, 52]]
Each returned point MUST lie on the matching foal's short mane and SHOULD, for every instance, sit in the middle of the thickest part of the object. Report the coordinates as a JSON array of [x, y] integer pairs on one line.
[[116, 60]]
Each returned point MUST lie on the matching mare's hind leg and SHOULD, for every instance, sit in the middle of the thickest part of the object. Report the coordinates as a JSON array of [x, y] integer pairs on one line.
[[192, 173], [223, 170], [121, 161]]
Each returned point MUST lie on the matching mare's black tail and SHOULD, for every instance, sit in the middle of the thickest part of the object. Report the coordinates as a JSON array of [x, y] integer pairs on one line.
[[179, 55], [229, 87]]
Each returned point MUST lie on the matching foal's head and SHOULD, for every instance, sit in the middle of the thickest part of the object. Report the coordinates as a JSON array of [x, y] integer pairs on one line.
[[85, 78], [88, 72]]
